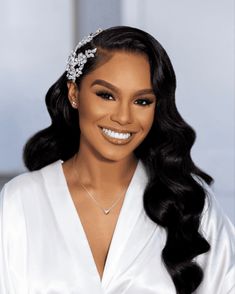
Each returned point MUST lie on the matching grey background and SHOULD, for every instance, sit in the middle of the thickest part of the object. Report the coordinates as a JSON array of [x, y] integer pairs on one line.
[[36, 38]]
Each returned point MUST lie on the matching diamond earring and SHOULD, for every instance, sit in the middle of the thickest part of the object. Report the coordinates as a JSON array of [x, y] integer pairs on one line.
[[74, 104]]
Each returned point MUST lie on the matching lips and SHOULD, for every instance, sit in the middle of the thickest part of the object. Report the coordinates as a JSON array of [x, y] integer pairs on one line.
[[124, 131]]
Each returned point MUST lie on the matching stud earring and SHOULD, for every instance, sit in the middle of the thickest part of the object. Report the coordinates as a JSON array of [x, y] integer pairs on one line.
[[74, 104]]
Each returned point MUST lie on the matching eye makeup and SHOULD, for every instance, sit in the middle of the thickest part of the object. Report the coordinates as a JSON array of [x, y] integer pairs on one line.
[[107, 95], [104, 94]]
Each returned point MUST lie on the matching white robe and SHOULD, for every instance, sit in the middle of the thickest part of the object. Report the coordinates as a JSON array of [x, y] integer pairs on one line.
[[44, 249]]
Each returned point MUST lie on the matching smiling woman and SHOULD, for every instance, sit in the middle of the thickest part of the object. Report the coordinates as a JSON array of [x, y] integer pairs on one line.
[[113, 202]]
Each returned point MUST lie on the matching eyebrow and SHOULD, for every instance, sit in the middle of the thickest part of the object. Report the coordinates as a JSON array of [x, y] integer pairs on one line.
[[115, 89]]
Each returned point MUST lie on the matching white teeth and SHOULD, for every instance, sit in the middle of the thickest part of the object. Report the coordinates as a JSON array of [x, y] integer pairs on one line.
[[116, 135]]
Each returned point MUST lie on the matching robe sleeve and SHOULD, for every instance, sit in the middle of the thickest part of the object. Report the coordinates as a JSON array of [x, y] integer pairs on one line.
[[218, 264], [5, 284], [13, 263]]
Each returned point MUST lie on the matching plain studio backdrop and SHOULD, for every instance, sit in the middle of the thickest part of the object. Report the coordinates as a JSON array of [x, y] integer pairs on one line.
[[37, 36]]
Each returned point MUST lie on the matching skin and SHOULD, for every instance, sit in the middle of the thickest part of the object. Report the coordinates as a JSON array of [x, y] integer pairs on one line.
[[103, 167]]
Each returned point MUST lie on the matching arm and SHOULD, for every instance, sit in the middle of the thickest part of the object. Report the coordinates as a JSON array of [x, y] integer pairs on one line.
[[5, 284], [12, 243]]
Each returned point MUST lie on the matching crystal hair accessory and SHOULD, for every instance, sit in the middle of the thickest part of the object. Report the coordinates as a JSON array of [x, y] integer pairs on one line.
[[76, 62]]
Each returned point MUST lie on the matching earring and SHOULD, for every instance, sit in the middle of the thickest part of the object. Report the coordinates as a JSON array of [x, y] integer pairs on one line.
[[74, 104]]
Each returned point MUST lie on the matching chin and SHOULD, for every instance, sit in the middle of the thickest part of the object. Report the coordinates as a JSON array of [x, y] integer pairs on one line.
[[114, 156]]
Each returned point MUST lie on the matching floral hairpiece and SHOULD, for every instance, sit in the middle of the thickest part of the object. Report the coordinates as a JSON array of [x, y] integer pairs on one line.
[[76, 62]]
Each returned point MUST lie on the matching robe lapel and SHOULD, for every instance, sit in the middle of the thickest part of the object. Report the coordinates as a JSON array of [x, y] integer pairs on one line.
[[132, 232], [72, 232]]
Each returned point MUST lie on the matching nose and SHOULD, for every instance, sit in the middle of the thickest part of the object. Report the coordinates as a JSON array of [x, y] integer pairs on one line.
[[122, 114]]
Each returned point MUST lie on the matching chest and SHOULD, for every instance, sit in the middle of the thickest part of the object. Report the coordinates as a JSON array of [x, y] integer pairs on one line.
[[98, 227]]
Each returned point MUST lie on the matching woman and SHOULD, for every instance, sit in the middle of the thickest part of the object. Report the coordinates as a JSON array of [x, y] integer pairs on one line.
[[114, 203]]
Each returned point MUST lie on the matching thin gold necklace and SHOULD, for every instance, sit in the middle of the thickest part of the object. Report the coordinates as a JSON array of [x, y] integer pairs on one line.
[[105, 210]]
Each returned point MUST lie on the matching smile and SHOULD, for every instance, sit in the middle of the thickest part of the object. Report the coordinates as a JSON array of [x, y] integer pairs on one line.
[[116, 137]]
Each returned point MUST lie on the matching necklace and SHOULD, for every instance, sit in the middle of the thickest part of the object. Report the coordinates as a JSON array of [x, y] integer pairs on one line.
[[105, 211]]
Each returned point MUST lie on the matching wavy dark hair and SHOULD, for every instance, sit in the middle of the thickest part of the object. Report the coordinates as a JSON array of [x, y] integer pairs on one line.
[[173, 198]]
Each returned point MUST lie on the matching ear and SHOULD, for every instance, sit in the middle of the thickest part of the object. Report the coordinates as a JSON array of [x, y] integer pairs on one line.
[[73, 94]]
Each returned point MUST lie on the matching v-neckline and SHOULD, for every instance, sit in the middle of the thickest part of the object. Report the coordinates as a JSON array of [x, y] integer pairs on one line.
[[113, 251], [132, 223]]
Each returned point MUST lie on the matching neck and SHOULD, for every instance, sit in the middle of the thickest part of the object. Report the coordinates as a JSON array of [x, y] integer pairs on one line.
[[103, 174]]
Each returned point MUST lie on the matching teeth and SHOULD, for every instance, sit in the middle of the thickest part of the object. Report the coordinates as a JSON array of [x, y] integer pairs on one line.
[[115, 134]]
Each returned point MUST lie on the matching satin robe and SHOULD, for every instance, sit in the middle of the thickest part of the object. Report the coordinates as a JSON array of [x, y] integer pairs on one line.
[[44, 249]]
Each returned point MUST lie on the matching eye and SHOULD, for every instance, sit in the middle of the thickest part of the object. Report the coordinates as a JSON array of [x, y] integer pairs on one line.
[[144, 102], [105, 95]]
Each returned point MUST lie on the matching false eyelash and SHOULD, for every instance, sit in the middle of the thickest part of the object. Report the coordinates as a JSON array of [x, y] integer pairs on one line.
[[148, 101], [102, 93]]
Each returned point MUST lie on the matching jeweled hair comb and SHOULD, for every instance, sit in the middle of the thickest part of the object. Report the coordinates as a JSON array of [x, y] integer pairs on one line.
[[76, 62]]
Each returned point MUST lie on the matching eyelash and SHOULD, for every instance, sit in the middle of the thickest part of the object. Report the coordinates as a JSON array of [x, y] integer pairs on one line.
[[105, 95]]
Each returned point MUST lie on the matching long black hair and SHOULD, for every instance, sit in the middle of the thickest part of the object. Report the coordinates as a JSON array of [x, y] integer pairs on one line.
[[173, 198]]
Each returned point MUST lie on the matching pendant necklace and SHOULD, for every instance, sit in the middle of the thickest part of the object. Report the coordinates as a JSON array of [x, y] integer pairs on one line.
[[105, 211]]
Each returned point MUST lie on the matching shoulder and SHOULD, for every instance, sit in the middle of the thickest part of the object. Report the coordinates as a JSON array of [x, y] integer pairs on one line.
[[213, 217], [24, 201], [28, 182]]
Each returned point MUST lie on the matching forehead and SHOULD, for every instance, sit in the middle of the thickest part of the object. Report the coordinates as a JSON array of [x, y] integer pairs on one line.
[[123, 68]]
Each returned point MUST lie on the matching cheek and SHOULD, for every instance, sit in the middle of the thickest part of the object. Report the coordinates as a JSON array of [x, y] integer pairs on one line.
[[146, 120], [90, 110]]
